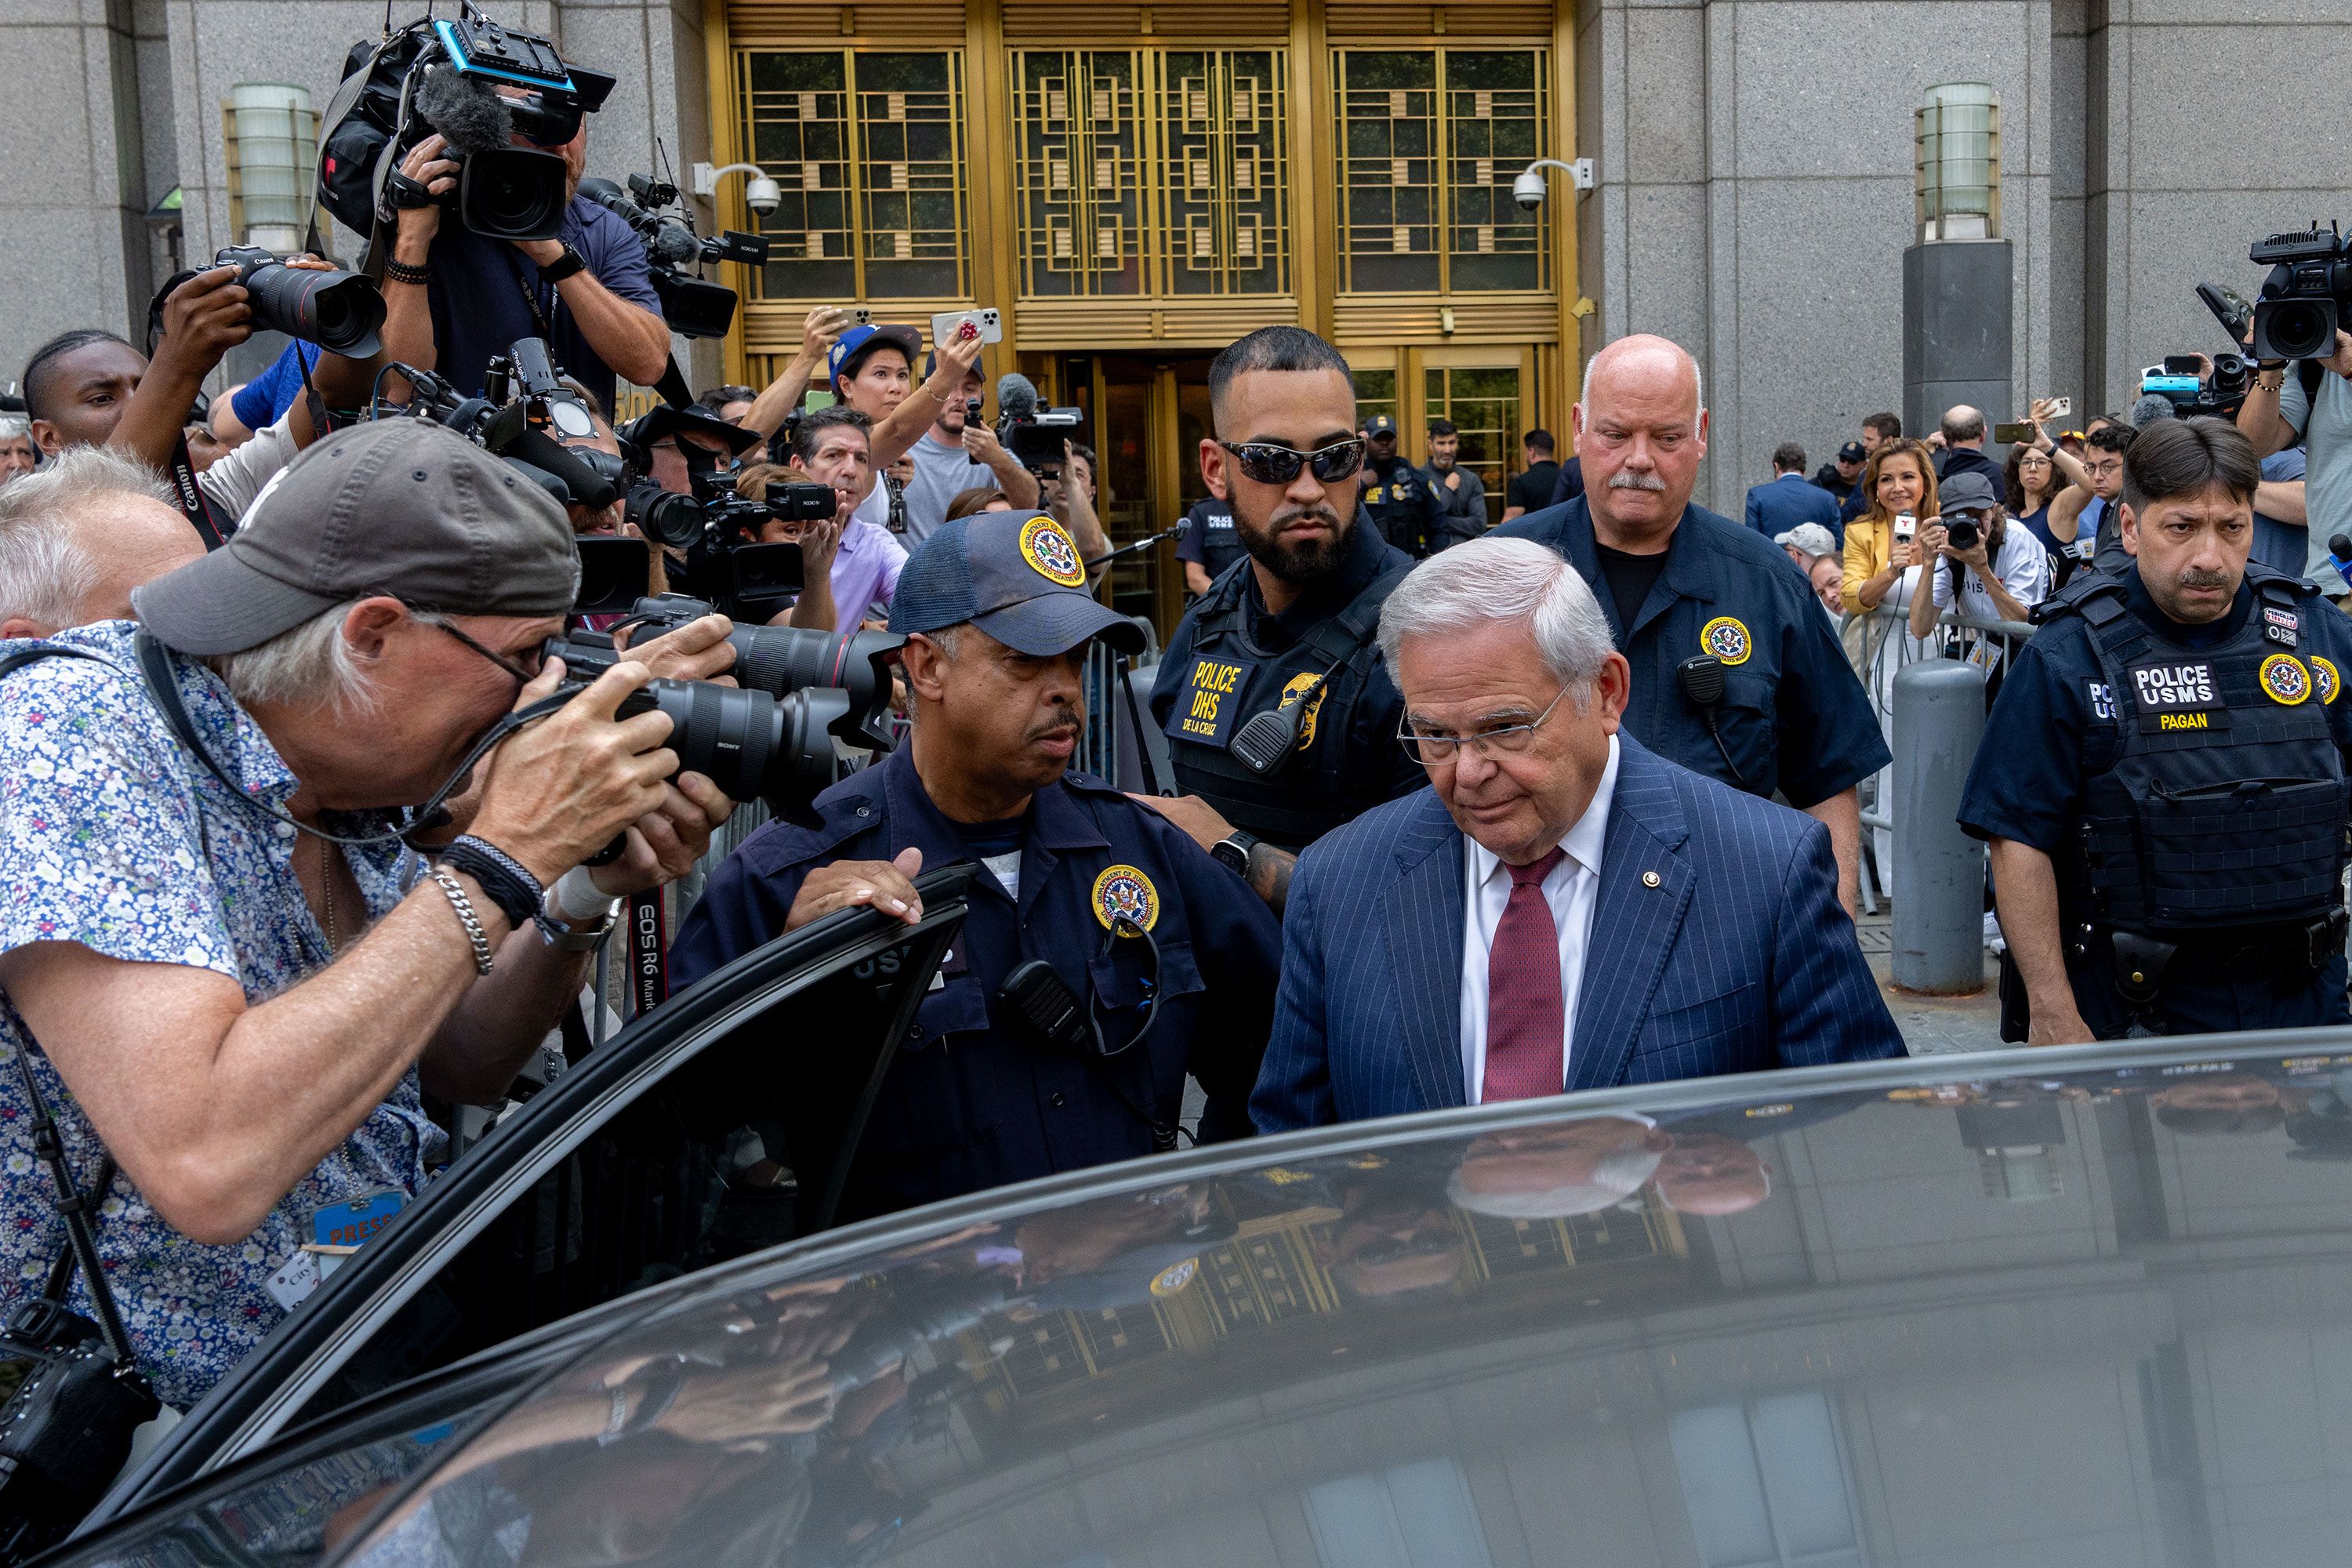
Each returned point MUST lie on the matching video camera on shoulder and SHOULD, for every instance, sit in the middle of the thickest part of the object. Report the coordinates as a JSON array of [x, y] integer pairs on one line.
[[694, 307], [2306, 296], [1032, 432], [479, 84]]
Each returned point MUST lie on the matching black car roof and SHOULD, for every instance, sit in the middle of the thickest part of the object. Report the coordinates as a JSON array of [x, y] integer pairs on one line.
[[1565, 1325]]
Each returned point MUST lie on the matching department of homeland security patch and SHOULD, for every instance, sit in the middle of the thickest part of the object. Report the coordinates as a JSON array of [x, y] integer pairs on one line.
[[2284, 679], [1726, 638], [1044, 546], [1122, 894]]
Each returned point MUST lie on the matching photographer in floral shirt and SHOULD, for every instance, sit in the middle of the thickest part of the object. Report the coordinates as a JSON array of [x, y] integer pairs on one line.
[[225, 973]]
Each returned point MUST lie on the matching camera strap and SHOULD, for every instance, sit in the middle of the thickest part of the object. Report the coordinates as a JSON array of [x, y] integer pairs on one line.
[[195, 505], [529, 296], [82, 1235]]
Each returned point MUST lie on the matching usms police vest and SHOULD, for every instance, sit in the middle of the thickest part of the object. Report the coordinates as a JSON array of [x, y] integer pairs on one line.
[[2216, 800]]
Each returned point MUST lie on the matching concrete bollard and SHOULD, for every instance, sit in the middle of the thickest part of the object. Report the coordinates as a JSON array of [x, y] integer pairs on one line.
[[1939, 715]]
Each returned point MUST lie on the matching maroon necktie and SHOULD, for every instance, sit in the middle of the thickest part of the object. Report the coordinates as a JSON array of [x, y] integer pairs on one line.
[[1526, 1025]]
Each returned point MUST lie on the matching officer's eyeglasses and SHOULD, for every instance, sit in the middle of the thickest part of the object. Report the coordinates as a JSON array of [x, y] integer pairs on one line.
[[1272, 463], [1433, 748]]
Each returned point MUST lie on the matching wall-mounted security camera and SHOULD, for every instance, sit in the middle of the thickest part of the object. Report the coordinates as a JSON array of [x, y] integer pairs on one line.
[[1529, 191], [763, 197]]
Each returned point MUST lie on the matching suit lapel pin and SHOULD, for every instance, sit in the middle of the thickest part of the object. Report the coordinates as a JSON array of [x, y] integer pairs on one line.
[[1649, 879]]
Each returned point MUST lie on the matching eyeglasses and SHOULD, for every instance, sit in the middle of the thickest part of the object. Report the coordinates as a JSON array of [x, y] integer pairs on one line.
[[1271, 463], [536, 653], [1434, 749]]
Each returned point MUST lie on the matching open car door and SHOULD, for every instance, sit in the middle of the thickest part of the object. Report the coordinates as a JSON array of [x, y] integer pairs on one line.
[[620, 1174]]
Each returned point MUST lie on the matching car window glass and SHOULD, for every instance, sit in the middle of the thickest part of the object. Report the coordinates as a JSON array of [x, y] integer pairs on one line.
[[729, 1153], [296, 1503]]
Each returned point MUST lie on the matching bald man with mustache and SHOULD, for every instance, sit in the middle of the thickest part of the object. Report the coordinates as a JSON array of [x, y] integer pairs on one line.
[[1736, 674]]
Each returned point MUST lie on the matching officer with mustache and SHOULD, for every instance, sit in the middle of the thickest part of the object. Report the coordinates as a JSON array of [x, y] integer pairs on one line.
[[1737, 675], [1170, 960], [2162, 778]]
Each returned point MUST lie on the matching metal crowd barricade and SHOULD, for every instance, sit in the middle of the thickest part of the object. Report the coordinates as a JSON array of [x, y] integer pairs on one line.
[[1879, 645]]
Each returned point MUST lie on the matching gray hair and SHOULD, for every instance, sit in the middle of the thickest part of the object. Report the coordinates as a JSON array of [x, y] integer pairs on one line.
[[46, 572], [1490, 582], [311, 667]]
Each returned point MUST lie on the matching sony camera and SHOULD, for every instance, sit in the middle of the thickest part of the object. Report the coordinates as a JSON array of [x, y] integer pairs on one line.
[[747, 580], [771, 737], [2304, 297], [694, 307], [479, 86]]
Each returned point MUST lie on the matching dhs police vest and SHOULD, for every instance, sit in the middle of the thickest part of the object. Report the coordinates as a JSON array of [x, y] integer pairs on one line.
[[1231, 681], [2220, 801]]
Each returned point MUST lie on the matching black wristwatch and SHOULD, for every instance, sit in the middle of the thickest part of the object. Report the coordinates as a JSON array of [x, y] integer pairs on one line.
[[1233, 851], [563, 266]]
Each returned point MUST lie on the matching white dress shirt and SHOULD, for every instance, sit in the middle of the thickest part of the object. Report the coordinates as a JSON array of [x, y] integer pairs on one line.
[[1571, 890]]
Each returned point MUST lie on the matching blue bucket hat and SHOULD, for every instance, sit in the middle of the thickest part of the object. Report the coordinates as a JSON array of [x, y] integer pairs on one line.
[[1016, 575]]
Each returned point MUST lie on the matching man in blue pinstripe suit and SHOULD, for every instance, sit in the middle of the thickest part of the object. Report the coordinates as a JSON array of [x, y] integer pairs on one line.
[[1562, 908]]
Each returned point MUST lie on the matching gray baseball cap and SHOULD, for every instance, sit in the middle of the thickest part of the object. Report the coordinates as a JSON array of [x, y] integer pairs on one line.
[[1017, 576], [1966, 492], [400, 506]]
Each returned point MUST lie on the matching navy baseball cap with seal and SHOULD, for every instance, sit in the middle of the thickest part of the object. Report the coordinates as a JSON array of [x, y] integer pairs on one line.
[[1380, 425], [1851, 452], [1017, 576], [851, 348]]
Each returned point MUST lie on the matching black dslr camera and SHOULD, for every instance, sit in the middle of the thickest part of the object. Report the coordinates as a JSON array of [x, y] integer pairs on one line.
[[66, 1426], [771, 737], [340, 312], [2305, 296], [524, 414], [694, 307], [478, 85]]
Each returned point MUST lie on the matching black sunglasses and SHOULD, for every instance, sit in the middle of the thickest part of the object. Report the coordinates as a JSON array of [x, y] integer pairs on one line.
[[1271, 463]]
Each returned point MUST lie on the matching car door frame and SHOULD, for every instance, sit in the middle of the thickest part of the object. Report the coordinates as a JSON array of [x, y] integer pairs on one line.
[[257, 1401]]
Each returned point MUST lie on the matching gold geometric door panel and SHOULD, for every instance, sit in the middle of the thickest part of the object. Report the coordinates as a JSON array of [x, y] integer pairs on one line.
[[868, 149], [1150, 172], [1428, 142]]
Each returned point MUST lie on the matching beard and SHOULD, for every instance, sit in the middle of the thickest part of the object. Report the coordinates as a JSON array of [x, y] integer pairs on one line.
[[1295, 560]]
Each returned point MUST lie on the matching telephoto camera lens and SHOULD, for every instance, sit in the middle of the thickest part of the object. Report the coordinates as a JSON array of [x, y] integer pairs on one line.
[[673, 518], [1964, 533], [749, 743], [340, 312]]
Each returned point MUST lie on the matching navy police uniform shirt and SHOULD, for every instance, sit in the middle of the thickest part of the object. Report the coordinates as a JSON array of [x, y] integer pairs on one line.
[[970, 1103], [2027, 784], [1794, 718], [1209, 536], [485, 294]]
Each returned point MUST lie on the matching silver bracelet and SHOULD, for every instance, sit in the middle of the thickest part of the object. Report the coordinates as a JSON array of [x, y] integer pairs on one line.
[[475, 934]]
